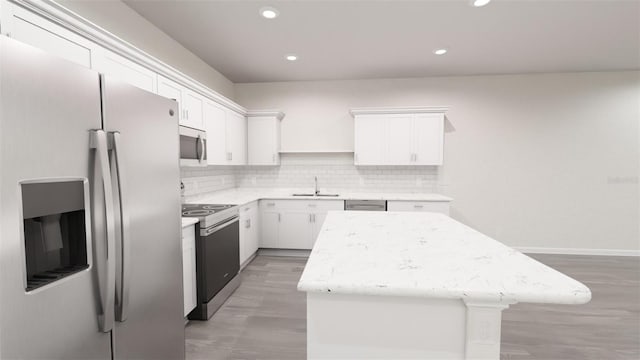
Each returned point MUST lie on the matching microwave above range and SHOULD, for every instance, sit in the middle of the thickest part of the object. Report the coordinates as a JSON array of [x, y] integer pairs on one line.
[[193, 147]]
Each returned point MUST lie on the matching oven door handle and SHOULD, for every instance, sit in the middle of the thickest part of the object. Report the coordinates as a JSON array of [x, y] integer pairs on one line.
[[232, 220]]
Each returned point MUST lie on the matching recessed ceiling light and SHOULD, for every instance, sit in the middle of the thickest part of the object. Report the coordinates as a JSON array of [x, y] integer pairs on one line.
[[269, 13], [479, 3], [291, 57], [440, 51]]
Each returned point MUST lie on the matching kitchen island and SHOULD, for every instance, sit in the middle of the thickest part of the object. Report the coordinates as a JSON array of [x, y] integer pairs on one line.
[[392, 285]]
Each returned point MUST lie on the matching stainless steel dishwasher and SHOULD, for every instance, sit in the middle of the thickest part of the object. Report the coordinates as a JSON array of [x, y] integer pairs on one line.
[[365, 205]]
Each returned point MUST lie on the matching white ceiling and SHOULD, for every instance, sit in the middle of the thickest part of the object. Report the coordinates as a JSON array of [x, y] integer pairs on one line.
[[392, 39]]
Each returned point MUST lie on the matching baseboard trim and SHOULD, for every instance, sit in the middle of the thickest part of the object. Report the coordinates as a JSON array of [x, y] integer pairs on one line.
[[578, 251], [284, 252]]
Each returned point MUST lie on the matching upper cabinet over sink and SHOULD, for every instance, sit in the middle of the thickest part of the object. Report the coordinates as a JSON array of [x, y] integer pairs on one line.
[[399, 136]]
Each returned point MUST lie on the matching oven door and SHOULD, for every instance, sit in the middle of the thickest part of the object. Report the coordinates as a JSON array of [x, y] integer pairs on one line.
[[193, 147], [217, 258]]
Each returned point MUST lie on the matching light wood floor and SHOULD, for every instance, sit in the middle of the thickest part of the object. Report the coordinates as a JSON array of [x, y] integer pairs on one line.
[[266, 317]]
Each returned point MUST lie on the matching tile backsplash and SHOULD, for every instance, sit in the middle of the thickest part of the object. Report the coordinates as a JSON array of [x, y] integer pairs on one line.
[[334, 171]]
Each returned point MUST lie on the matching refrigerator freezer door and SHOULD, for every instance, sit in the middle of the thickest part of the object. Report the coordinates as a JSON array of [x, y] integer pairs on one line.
[[49, 297], [148, 149]]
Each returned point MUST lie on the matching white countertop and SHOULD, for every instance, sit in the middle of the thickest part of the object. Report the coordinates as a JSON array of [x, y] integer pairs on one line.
[[427, 255], [246, 195], [188, 221]]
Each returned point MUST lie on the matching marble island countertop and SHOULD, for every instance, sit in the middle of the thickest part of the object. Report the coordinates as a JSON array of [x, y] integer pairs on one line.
[[427, 255], [247, 195]]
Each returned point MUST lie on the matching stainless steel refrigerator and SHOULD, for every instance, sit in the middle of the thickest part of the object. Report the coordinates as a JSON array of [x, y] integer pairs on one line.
[[90, 250]]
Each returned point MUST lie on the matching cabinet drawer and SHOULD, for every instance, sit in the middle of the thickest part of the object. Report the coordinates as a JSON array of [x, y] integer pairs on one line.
[[303, 205], [419, 206]]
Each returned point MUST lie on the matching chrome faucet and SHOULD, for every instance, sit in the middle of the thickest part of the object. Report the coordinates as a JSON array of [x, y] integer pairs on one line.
[[316, 187]]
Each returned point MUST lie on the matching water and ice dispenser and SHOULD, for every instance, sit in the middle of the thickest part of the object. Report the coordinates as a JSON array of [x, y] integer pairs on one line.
[[55, 231]]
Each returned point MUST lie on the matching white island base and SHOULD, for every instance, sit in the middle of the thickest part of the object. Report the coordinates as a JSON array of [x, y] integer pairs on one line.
[[385, 285], [389, 327]]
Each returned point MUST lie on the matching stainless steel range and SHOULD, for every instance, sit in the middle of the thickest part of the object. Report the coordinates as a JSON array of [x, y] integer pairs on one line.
[[217, 255]]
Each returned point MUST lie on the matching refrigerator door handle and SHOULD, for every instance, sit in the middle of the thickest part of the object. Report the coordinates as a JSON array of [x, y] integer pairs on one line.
[[105, 260], [123, 244]]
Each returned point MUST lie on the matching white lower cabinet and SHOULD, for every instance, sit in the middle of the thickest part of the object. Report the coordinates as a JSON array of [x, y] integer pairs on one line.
[[419, 206], [293, 224], [249, 231], [189, 268], [295, 230]]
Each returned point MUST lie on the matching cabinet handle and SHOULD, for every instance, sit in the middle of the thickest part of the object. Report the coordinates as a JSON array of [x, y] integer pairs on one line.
[[187, 112], [310, 218], [415, 157], [229, 156], [247, 224], [278, 217], [271, 204], [312, 205], [314, 217], [418, 206]]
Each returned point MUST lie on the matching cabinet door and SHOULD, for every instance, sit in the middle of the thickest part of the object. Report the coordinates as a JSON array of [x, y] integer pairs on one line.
[[269, 229], [171, 90], [254, 233], [399, 140], [428, 135], [116, 66], [236, 138], [318, 220], [295, 230], [192, 109], [216, 128], [262, 140], [189, 269], [31, 29], [369, 140], [245, 233]]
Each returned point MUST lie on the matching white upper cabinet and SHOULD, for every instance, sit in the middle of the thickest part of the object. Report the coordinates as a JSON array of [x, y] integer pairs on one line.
[[428, 132], [121, 68], [29, 28], [263, 137], [236, 141], [171, 90], [193, 109], [191, 104], [399, 136], [215, 118], [369, 140]]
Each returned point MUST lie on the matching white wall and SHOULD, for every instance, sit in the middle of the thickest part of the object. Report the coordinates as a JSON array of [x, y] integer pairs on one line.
[[547, 160], [122, 21]]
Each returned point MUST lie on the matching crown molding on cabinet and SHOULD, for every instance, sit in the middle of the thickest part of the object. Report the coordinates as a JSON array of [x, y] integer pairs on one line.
[[66, 18], [399, 110], [275, 113]]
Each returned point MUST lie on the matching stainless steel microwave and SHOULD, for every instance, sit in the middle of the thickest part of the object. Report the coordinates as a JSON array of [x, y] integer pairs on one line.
[[193, 147]]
